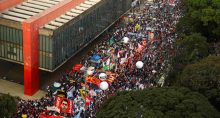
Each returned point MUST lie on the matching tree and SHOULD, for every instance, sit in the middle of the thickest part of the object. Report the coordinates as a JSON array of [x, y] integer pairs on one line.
[[203, 77], [158, 103], [191, 48], [202, 16], [7, 106]]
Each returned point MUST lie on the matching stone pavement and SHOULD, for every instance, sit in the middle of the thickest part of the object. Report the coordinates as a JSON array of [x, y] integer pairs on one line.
[[15, 89]]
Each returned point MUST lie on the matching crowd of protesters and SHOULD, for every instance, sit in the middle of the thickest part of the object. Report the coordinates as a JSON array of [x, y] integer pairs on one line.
[[147, 35]]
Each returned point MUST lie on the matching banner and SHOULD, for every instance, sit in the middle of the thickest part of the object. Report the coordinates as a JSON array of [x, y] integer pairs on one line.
[[65, 105], [93, 80]]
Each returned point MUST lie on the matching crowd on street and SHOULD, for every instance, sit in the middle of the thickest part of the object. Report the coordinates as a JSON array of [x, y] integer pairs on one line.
[[133, 56]]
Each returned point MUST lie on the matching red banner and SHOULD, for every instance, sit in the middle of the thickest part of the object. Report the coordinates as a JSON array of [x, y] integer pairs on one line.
[[65, 105], [93, 80]]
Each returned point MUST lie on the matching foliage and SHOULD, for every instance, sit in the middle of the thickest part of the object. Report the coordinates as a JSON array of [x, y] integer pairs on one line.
[[204, 77], [158, 103], [192, 48], [7, 106], [202, 16]]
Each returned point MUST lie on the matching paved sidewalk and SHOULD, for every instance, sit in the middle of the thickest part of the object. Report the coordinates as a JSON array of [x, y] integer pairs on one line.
[[15, 89]]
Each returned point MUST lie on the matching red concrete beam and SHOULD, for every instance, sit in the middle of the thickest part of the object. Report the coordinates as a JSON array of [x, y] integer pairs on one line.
[[31, 42], [5, 4]]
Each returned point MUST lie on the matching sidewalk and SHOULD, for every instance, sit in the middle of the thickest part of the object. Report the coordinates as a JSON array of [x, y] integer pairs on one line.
[[15, 89]]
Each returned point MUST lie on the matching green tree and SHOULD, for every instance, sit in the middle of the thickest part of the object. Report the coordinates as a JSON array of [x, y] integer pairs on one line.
[[7, 106], [202, 16], [190, 49], [158, 103], [203, 77]]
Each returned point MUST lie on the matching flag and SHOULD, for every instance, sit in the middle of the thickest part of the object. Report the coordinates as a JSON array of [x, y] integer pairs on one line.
[[82, 92], [65, 105], [108, 65], [137, 27], [111, 77], [77, 67], [111, 40], [88, 100]]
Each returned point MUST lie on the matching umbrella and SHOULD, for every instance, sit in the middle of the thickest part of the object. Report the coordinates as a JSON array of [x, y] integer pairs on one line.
[[95, 57], [56, 84]]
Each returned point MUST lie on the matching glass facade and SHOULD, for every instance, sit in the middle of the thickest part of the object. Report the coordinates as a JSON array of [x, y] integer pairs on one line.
[[11, 44], [67, 39], [70, 37]]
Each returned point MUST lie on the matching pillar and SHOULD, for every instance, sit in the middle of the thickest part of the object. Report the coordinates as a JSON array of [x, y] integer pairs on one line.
[[31, 58], [31, 42]]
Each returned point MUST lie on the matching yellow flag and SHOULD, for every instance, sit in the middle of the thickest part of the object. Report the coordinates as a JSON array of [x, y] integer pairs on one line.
[[137, 27]]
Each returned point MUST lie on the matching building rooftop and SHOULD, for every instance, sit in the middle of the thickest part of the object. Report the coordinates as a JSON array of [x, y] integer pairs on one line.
[[27, 9], [71, 14]]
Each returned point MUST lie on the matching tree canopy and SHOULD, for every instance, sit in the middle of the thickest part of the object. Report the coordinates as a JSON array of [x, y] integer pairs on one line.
[[202, 16], [204, 77], [7, 106], [158, 103], [192, 48]]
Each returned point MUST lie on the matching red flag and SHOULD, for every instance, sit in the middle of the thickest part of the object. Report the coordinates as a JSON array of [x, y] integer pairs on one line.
[[77, 67], [88, 100]]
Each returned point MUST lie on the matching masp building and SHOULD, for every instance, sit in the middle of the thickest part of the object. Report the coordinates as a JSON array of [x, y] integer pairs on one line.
[[44, 34]]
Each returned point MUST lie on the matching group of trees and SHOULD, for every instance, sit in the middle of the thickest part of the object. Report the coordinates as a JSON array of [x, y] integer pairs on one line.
[[193, 67], [203, 77], [201, 16], [164, 102], [194, 80]]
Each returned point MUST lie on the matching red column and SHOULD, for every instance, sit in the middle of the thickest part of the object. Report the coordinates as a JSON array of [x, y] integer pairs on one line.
[[31, 58], [31, 42], [5, 4]]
